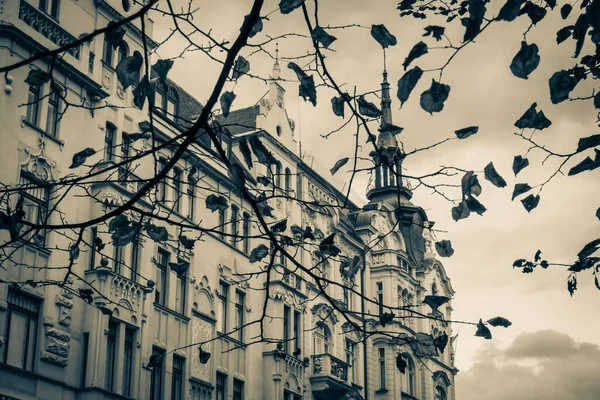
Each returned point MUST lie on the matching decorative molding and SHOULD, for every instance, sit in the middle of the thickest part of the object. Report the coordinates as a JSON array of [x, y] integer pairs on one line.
[[102, 4], [37, 164]]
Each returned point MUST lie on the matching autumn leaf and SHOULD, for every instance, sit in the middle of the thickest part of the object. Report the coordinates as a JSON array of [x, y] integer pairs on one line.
[[460, 211], [80, 157], [327, 246], [142, 91], [572, 284], [519, 189], [466, 132], [534, 12], [492, 175], [216, 202], [589, 249], [320, 35], [586, 165], [407, 83], [279, 227], [73, 252], [510, 10], [432, 100], [561, 84], [258, 253], [37, 77], [337, 105], [238, 177], [128, 70], [444, 248], [519, 163], [565, 10], [383, 36], [483, 331], [263, 155], [157, 233], [525, 61], [417, 51], [307, 89], [533, 119], [400, 363], [470, 184], [435, 301], [241, 67], [530, 202], [246, 152], [114, 35], [367, 108], [435, 31], [339, 164], [186, 242], [226, 100], [162, 68], [499, 321], [475, 206], [120, 221], [440, 342]]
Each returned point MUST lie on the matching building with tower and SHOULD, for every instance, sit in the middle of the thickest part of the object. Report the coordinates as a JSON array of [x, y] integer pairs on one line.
[[150, 300]]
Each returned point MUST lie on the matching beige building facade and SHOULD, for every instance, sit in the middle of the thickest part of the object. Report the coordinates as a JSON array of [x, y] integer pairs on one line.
[[127, 321]]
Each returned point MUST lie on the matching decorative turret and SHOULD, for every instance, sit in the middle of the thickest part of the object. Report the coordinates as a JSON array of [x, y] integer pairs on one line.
[[276, 91], [388, 156]]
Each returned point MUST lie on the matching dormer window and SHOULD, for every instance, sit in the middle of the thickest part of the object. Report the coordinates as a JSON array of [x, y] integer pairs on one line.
[[172, 104], [166, 100]]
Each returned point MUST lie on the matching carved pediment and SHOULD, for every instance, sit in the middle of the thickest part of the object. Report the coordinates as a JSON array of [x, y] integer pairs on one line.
[[37, 164], [324, 311]]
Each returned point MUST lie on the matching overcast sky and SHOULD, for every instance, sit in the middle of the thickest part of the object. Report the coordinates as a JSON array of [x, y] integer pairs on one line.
[[484, 93]]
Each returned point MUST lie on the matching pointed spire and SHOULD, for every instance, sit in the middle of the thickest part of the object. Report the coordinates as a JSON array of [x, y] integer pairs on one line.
[[276, 70], [386, 101]]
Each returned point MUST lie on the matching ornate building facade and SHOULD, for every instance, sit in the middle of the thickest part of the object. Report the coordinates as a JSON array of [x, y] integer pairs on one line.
[[123, 323]]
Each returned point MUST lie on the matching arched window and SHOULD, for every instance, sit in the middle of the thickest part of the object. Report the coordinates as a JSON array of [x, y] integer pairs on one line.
[[123, 52], [288, 180], [440, 393], [322, 338], [410, 376], [278, 174], [173, 104], [160, 96]]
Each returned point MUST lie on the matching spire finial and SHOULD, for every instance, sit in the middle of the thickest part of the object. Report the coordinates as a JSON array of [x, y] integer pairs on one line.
[[276, 53]]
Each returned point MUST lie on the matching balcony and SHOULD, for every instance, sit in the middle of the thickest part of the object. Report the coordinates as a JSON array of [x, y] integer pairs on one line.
[[329, 376], [43, 24]]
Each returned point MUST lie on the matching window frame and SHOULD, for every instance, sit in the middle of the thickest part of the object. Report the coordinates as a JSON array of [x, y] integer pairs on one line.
[[246, 232], [108, 53], [221, 386], [53, 113], [181, 289], [381, 361], [32, 318], [42, 204], [240, 300], [234, 219], [111, 355], [32, 115], [286, 328], [177, 193], [380, 297], [162, 269], [109, 141], [223, 303], [177, 377], [157, 375], [297, 330], [128, 360], [239, 393]]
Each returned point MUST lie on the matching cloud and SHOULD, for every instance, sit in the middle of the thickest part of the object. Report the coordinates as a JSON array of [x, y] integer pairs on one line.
[[538, 365]]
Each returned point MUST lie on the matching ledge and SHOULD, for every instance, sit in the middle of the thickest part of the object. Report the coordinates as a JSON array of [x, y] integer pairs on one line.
[[25, 122], [172, 312]]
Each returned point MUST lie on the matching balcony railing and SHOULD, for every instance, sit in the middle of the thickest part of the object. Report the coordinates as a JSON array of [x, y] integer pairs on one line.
[[326, 364], [47, 27]]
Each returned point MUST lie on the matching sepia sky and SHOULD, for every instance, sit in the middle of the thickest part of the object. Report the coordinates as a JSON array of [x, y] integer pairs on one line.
[[484, 93]]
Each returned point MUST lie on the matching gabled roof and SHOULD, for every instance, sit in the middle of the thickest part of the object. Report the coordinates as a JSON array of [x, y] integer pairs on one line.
[[240, 121]]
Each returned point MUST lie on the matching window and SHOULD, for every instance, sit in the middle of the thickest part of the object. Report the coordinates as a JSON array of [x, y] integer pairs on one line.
[[346, 297], [181, 287], [85, 344], [381, 368], [287, 395], [440, 393], [321, 338], [246, 232], [21, 331], [109, 141], [191, 192], [238, 390], [434, 289], [50, 7], [234, 224], [288, 181], [135, 256], [277, 175], [125, 146], [156, 378], [159, 96], [380, 297], [33, 105], [351, 358], [172, 104], [286, 328], [118, 260], [410, 376], [221, 387], [35, 204], [122, 53], [107, 53], [128, 361], [162, 185], [297, 336], [239, 309], [93, 236], [111, 346], [91, 62], [53, 113], [177, 378], [160, 296], [222, 310], [221, 227], [177, 189]]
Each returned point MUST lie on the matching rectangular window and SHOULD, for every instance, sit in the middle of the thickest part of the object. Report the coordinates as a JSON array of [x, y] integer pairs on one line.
[[239, 309], [53, 113], [346, 297], [160, 296], [297, 335], [221, 227], [180, 289], [125, 146], [91, 61], [111, 346], [156, 379], [108, 53], [176, 189], [222, 311], [50, 7], [380, 297], [109, 142], [36, 201], [85, 344], [118, 260], [350, 358], [246, 233], [162, 185], [177, 378], [93, 236], [33, 105], [128, 361], [135, 254], [21, 331], [191, 192], [382, 368], [238, 390], [221, 386], [286, 328], [234, 225]]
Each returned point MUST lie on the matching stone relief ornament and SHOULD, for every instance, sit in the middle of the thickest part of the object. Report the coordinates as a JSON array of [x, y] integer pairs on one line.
[[37, 164]]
